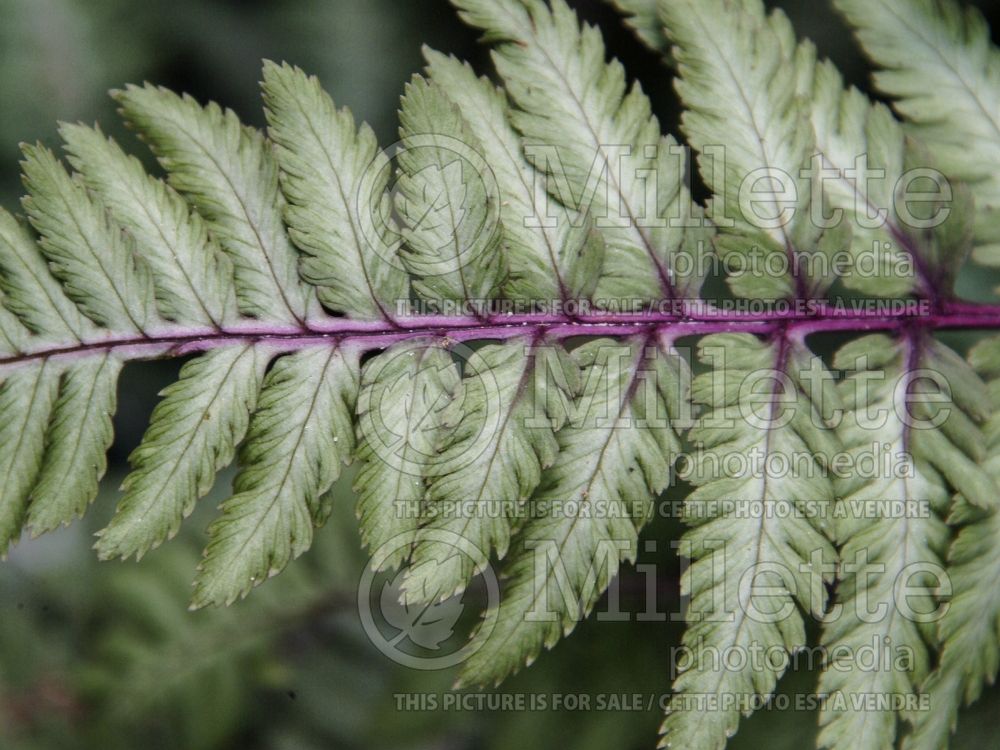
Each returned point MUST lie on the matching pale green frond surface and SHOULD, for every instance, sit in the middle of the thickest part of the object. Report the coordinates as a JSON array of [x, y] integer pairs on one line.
[[449, 201], [31, 292], [739, 70], [14, 337], [890, 531], [402, 404], [941, 68], [615, 454], [229, 174], [760, 559], [93, 259], [26, 399], [193, 433], [970, 629], [192, 277], [554, 254], [860, 160], [644, 18], [76, 442], [299, 438], [334, 179], [599, 145], [501, 436]]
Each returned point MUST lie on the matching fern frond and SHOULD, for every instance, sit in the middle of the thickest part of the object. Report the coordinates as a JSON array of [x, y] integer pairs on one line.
[[324, 160], [862, 147], [26, 400], [14, 337], [79, 426], [31, 292], [230, 176], [450, 207], [95, 262], [502, 434], [192, 434], [599, 145], [558, 261], [192, 277], [614, 456], [739, 78], [405, 392], [76, 443], [289, 267], [943, 71], [299, 437], [969, 630], [757, 539], [644, 18], [886, 546]]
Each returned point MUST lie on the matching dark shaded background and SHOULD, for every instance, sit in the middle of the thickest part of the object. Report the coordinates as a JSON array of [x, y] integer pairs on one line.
[[107, 655]]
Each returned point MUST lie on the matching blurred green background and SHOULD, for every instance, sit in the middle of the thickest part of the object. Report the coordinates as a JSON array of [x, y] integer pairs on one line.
[[107, 655]]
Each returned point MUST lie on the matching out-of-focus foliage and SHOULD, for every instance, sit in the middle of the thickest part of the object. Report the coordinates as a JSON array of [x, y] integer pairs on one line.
[[111, 658], [59, 58], [100, 655]]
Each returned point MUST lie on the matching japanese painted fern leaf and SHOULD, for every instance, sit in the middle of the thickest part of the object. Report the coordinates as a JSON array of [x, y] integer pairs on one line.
[[492, 317]]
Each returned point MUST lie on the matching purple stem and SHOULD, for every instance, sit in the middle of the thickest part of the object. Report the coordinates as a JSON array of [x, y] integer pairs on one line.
[[366, 335]]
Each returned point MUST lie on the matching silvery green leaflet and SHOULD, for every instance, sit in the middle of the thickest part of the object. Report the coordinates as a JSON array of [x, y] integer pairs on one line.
[[499, 321]]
